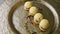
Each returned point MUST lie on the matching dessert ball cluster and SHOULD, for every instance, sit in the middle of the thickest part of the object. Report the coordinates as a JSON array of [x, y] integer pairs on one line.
[[27, 5], [33, 10], [37, 17], [44, 24]]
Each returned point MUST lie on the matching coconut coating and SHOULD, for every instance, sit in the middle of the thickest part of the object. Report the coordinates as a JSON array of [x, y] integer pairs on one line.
[[33, 10], [44, 24], [27, 5], [37, 18]]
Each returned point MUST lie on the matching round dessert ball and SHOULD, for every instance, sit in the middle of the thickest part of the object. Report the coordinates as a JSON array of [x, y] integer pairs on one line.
[[37, 18], [27, 5], [33, 10], [44, 24]]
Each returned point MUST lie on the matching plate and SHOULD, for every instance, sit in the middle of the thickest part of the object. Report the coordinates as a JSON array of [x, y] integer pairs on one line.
[[17, 18]]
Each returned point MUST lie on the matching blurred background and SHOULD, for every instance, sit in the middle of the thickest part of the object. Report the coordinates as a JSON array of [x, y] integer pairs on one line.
[[1, 1]]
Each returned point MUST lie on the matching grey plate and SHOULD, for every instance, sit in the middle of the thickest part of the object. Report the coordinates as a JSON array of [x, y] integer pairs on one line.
[[17, 16]]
